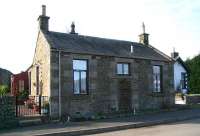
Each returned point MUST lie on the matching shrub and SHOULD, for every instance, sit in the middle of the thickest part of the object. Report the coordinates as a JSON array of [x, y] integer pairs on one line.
[[4, 90], [194, 74], [23, 95]]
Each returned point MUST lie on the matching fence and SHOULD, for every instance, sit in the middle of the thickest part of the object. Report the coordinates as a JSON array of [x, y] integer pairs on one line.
[[32, 106]]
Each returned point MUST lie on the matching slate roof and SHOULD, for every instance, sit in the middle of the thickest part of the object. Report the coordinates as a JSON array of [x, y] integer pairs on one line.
[[75, 43]]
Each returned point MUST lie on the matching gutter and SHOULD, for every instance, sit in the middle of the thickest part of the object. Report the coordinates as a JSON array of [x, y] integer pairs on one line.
[[130, 57]]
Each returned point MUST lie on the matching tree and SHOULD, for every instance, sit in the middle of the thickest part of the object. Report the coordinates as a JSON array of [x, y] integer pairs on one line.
[[194, 74], [4, 89]]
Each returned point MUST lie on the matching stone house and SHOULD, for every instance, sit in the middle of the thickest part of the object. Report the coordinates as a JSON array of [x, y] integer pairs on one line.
[[89, 75]]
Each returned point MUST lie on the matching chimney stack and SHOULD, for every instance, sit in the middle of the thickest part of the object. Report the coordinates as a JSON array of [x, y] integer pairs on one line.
[[44, 10], [43, 20], [174, 54], [144, 37]]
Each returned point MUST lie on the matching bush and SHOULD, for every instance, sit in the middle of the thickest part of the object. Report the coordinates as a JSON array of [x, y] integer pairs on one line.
[[194, 74], [23, 95], [4, 90]]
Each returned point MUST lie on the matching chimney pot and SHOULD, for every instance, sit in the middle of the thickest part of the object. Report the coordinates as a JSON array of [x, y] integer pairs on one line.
[[44, 10], [43, 20], [174, 54], [144, 37], [73, 28]]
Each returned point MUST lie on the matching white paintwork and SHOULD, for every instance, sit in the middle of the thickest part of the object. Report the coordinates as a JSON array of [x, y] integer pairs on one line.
[[178, 69], [131, 48]]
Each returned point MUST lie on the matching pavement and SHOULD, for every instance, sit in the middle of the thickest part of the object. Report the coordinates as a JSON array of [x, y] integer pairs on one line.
[[183, 128], [102, 126], [180, 101]]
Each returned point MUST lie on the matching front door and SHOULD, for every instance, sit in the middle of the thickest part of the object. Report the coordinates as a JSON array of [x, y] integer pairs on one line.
[[124, 95]]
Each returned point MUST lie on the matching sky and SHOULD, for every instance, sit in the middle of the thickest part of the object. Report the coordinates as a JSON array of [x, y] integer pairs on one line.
[[170, 23]]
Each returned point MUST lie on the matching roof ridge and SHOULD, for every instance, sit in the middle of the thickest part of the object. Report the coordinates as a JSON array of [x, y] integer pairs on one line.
[[102, 38]]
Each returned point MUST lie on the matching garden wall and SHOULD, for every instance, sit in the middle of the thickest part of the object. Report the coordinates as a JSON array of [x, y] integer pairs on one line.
[[8, 118], [193, 99]]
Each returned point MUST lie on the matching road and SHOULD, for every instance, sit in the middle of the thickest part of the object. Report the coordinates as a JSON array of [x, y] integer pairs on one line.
[[186, 128]]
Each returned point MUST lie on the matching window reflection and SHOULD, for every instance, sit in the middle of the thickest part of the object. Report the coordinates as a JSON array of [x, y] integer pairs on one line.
[[80, 76], [80, 64], [76, 83], [83, 82], [157, 78], [123, 68], [119, 69]]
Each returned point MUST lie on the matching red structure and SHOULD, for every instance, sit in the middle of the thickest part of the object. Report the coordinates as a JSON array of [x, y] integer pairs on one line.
[[19, 82]]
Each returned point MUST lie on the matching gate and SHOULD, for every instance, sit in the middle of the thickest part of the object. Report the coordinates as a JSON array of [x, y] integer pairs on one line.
[[32, 106]]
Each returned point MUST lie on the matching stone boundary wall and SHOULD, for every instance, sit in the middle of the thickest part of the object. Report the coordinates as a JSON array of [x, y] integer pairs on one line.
[[193, 99], [8, 117]]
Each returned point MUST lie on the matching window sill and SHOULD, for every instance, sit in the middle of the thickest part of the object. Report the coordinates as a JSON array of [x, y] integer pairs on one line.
[[157, 94], [80, 96], [123, 76]]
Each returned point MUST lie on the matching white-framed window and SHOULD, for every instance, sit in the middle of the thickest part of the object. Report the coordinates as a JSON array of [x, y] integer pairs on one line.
[[157, 78], [123, 69]]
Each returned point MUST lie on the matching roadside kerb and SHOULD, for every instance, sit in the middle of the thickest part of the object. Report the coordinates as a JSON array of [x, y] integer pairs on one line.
[[117, 128]]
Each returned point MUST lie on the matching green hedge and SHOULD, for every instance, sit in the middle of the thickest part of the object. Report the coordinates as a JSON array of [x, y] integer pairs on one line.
[[194, 74]]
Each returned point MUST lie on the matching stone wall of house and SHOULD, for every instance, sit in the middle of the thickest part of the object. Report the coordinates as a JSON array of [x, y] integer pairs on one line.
[[104, 92], [147, 98], [108, 91], [54, 82], [41, 59]]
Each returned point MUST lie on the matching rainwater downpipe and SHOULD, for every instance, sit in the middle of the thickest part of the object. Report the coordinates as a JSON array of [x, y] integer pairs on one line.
[[59, 86]]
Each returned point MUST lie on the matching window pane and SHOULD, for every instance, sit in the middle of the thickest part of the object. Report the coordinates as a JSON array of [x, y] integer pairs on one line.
[[119, 69], [80, 64], [126, 69], [156, 69], [83, 82], [158, 82], [157, 78], [22, 85], [76, 83], [154, 83]]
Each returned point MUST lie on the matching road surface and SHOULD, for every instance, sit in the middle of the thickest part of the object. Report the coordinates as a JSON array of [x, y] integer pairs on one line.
[[186, 128]]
